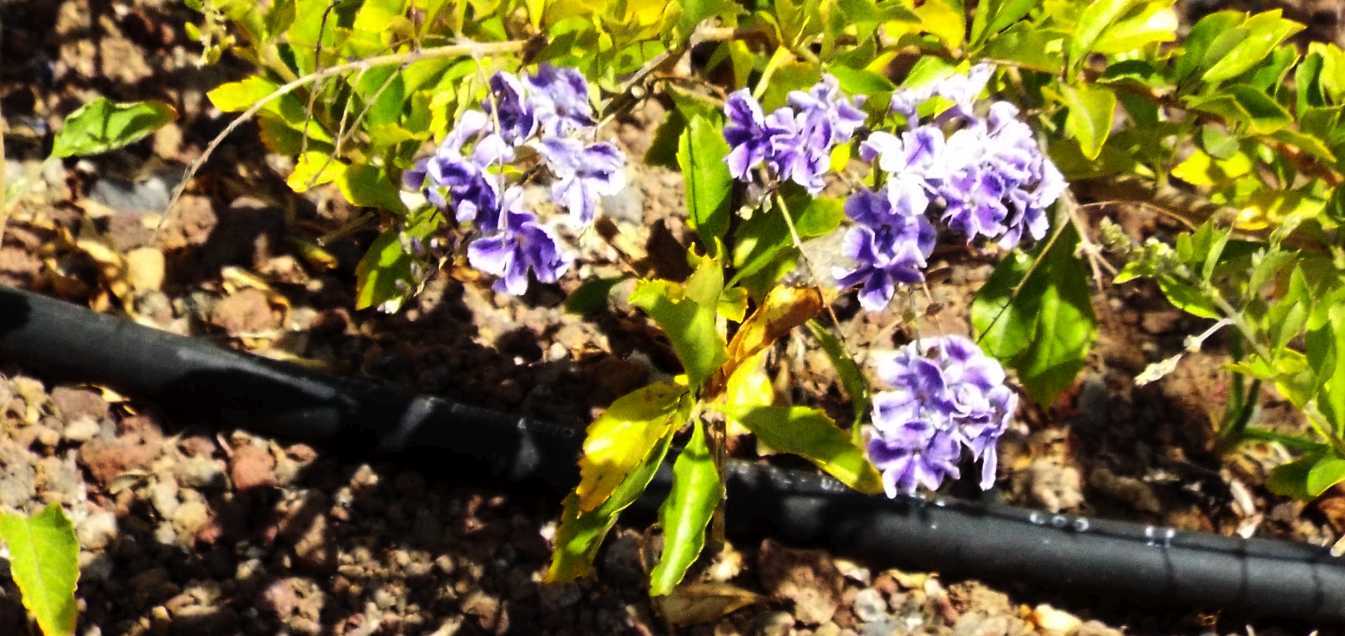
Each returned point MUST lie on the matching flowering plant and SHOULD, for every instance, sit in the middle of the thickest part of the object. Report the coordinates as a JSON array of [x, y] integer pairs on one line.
[[1004, 118]]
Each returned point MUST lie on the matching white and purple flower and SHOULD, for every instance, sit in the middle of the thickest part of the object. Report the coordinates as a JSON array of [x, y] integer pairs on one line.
[[889, 242], [946, 396], [794, 141], [548, 112], [986, 175], [519, 246]]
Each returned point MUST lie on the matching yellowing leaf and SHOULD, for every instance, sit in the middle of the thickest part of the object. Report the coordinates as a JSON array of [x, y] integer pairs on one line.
[[783, 309], [686, 313], [1270, 207], [810, 434], [1155, 22], [44, 562], [703, 603], [581, 533], [621, 438]]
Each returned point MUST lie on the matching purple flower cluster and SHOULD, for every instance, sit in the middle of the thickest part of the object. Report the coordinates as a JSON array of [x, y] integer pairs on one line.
[[549, 114], [794, 141], [989, 177], [946, 396]]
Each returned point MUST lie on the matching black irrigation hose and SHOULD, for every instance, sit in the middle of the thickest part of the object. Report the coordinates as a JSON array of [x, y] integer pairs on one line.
[[1119, 561]]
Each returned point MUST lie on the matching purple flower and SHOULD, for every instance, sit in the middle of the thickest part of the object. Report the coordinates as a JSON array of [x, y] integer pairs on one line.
[[745, 132], [946, 395], [519, 246], [583, 174], [794, 141], [510, 105], [560, 99], [889, 243], [915, 454], [989, 176], [453, 178], [961, 90]]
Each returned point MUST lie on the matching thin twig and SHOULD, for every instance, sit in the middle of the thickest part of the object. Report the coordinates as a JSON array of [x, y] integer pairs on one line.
[[451, 50], [344, 131], [313, 94], [1086, 245], [808, 263]]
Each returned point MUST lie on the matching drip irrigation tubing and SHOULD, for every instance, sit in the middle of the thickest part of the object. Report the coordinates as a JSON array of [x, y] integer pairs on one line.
[[1117, 561]]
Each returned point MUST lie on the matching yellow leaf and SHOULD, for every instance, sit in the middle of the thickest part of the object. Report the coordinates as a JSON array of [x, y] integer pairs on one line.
[[621, 437], [1271, 207], [945, 21], [314, 169], [1200, 169], [748, 387]]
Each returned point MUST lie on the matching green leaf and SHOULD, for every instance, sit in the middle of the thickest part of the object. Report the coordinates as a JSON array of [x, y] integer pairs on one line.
[[1094, 20], [1216, 142], [1247, 45], [860, 81], [701, 151], [100, 126], [1246, 105], [1331, 79], [847, 371], [1307, 86], [241, 95], [1291, 479], [581, 533], [1327, 472], [1039, 49], [696, 11], [1150, 23], [764, 239], [1331, 398], [810, 434], [383, 276], [592, 295], [44, 563], [366, 185], [686, 314], [1091, 109], [1050, 321], [684, 515], [383, 92], [1307, 477], [1004, 325], [1199, 40], [663, 149], [1286, 318], [993, 16]]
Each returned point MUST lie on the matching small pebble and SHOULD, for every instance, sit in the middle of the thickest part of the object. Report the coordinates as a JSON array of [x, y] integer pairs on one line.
[[81, 429], [97, 530], [870, 606], [189, 518]]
